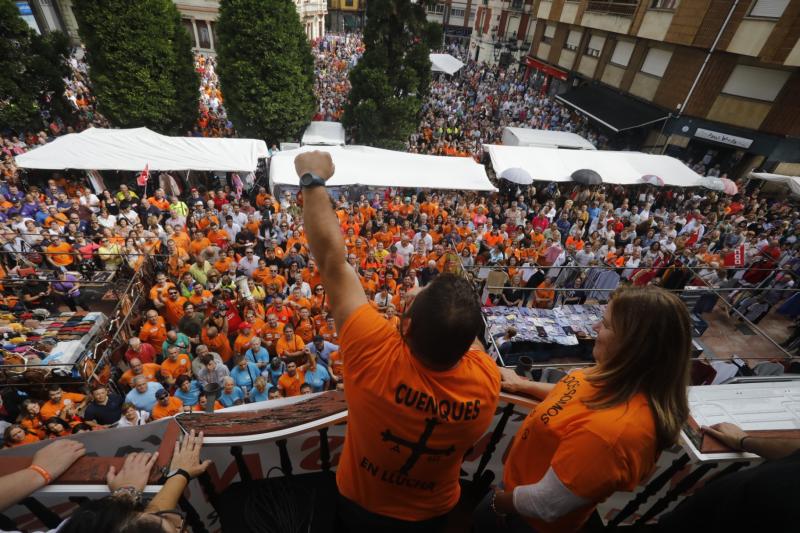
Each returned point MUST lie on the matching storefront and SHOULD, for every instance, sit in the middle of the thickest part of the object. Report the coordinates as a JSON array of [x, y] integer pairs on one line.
[[547, 78]]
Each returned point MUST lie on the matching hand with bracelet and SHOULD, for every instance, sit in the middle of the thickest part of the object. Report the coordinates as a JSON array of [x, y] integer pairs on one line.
[[728, 434], [132, 478], [47, 465]]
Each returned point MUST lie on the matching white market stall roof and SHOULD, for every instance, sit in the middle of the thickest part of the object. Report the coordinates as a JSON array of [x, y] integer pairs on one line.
[[624, 168], [132, 149], [445, 63], [793, 182], [375, 167], [324, 133], [544, 138]]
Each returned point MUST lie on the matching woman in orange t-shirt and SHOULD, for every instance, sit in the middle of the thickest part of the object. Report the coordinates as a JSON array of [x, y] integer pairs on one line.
[[598, 430], [15, 436]]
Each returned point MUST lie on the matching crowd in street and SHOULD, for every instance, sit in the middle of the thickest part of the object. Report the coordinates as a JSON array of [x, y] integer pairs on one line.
[[213, 119], [334, 56]]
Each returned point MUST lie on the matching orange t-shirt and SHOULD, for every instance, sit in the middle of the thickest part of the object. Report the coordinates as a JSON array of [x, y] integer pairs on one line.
[[290, 386], [446, 411], [304, 329], [271, 336], [61, 255], [336, 363], [174, 407], [173, 310], [150, 371], [294, 345], [50, 409], [155, 335], [182, 365], [594, 452], [219, 344]]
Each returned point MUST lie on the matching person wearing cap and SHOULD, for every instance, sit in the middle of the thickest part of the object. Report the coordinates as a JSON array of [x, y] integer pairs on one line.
[[165, 405], [322, 349], [242, 341], [424, 238]]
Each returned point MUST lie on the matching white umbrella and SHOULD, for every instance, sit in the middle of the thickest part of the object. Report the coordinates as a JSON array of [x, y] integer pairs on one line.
[[652, 179], [720, 185], [520, 176]]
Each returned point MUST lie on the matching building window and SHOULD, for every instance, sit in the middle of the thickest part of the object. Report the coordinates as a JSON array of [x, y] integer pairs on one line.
[[213, 26], [437, 9], [756, 83], [622, 53], [203, 35], [595, 46], [189, 25], [348, 3], [664, 4], [772, 9], [656, 62], [549, 33], [613, 7], [457, 12], [573, 40]]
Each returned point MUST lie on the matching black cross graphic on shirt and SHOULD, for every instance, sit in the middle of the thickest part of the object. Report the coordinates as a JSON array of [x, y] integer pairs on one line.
[[419, 448]]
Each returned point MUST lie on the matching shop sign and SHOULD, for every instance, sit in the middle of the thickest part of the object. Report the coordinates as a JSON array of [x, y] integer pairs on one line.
[[723, 138], [547, 69]]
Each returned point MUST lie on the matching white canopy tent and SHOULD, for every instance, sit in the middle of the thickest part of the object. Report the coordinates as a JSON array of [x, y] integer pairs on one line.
[[132, 149], [545, 139], [792, 182], [324, 133], [374, 167], [445, 63], [624, 168]]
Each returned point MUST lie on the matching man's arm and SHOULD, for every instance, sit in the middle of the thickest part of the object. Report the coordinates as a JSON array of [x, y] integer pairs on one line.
[[325, 241], [737, 439]]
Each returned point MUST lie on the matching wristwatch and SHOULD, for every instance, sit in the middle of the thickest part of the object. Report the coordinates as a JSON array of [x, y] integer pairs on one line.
[[309, 180], [179, 472]]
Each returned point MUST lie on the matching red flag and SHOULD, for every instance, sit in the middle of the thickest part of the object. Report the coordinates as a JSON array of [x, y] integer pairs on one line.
[[735, 258], [145, 174]]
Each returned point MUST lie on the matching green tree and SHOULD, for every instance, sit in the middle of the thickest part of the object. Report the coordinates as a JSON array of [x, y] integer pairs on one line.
[[265, 68], [140, 61], [393, 77], [33, 70]]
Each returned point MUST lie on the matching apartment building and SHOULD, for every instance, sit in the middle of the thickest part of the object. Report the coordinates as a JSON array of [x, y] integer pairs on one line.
[[346, 15], [683, 77]]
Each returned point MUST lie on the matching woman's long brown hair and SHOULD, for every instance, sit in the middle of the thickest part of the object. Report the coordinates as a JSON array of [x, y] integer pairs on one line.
[[652, 334]]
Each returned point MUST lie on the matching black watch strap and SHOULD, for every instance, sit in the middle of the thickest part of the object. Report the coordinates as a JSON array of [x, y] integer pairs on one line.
[[180, 472], [309, 180]]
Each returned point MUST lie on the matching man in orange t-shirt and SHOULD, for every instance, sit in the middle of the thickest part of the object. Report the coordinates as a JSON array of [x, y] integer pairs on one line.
[[271, 333], [153, 331], [59, 253], [290, 381], [173, 307], [439, 386], [166, 405], [216, 342], [58, 400]]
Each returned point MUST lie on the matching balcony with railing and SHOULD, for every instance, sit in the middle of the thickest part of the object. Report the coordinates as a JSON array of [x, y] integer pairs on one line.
[[625, 8]]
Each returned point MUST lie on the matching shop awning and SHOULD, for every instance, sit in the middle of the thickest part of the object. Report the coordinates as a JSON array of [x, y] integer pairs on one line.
[[445, 63], [611, 108]]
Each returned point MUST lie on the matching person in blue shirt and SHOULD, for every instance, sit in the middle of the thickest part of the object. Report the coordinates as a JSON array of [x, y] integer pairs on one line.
[[316, 376], [143, 393], [257, 354], [260, 392], [322, 349], [188, 390], [231, 394], [274, 371], [244, 374]]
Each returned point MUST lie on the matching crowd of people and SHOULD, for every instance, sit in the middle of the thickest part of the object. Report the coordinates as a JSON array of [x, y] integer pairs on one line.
[[213, 119], [334, 56]]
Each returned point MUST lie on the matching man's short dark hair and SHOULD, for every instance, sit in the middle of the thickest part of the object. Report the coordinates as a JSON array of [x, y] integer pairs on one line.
[[445, 319], [180, 380]]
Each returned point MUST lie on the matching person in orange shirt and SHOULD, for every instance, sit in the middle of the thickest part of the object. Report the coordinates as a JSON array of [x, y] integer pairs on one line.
[[176, 364], [59, 253], [173, 307], [166, 405], [289, 345], [150, 371], [328, 331], [15, 435], [159, 200], [439, 385], [598, 430], [201, 298], [153, 331], [30, 420], [297, 301], [274, 277], [262, 274], [160, 290], [217, 236], [272, 333], [281, 311], [202, 402], [391, 316], [58, 400], [220, 344], [198, 244], [544, 296], [290, 381], [304, 326], [242, 342]]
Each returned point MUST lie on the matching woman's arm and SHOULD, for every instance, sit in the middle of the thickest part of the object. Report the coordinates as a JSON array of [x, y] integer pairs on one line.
[[515, 384], [187, 458]]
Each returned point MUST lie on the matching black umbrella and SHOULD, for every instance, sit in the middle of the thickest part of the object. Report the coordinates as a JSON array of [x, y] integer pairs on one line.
[[587, 176]]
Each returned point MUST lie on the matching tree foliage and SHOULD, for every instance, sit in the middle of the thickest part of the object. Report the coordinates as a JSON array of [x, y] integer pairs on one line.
[[141, 63], [265, 68], [393, 77], [33, 70]]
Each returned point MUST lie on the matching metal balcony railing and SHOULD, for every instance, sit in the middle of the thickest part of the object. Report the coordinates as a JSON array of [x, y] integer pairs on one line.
[[625, 8]]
